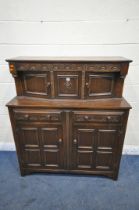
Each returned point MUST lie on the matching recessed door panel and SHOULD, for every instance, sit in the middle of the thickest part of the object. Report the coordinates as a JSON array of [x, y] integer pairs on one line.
[[52, 141], [105, 150], [83, 143], [99, 85], [67, 84], [32, 157], [36, 84], [30, 146], [29, 136]]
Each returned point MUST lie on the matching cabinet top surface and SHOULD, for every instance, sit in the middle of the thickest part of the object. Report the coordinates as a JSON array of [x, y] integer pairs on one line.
[[70, 59], [22, 101]]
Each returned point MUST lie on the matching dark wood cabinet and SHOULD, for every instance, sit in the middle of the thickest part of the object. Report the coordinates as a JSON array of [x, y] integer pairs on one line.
[[69, 115]]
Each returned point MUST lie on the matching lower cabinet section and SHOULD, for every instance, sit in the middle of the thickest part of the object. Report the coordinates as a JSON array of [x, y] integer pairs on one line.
[[69, 141]]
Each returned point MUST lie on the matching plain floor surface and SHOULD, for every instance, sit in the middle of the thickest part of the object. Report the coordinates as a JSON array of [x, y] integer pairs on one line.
[[68, 192]]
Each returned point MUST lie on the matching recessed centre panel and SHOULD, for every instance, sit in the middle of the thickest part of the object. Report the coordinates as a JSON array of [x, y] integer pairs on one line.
[[67, 84]]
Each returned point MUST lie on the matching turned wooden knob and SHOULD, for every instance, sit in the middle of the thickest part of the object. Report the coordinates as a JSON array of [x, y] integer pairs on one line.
[[109, 118], [48, 84], [75, 141], [86, 117], [49, 116], [32, 68], [60, 141], [26, 116], [87, 84]]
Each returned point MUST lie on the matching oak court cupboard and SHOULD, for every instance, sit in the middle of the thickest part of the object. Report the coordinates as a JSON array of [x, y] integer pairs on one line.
[[69, 115]]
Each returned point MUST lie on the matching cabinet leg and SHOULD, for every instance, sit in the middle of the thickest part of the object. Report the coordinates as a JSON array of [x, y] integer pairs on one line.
[[115, 176], [24, 172]]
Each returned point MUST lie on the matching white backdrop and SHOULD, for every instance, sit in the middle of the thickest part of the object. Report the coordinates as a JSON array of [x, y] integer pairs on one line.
[[73, 27]]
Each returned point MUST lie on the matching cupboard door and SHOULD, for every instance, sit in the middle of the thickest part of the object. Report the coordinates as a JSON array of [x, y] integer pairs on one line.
[[95, 141], [94, 148], [36, 84], [99, 85], [52, 146], [67, 84], [83, 148], [30, 146]]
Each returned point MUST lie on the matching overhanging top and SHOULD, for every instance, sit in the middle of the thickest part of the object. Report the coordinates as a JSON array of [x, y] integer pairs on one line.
[[30, 102], [69, 59]]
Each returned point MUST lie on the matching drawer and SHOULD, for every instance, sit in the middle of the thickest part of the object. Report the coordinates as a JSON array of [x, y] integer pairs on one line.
[[112, 117], [30, 66], [67, 84], [21, 115], [103, 67]]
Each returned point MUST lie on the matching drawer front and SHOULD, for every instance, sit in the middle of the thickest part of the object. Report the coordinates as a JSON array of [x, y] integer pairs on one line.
[[99, 85], [102, 117], [36, 84], [67, 84], [30, 66], [103, 67], [34, 115]]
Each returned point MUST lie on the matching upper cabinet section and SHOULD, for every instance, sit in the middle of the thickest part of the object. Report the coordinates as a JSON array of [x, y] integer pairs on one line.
[[65, 78]]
